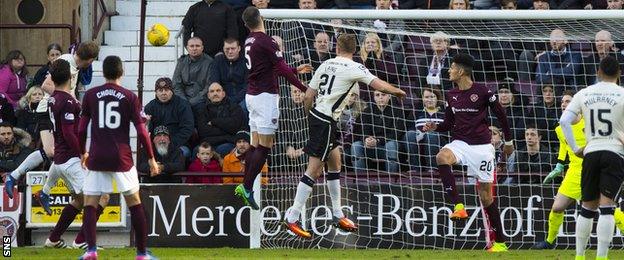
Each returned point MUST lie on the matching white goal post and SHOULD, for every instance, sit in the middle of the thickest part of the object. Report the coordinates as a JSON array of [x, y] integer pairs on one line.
[[406, 208]]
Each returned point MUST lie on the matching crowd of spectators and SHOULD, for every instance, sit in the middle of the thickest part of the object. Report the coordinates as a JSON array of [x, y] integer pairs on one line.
[[198, 118]]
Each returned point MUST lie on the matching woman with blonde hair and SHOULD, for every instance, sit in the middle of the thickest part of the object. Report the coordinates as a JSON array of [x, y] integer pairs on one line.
[[459, 5], [380, 63], [26, 112]]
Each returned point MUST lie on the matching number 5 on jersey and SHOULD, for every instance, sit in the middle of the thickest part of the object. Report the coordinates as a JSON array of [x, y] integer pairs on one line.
[[107, 116], [247, 57]]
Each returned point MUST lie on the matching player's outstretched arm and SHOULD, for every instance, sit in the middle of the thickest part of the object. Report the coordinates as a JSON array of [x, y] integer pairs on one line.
[[499, 111], [566, 125], [289, 73], [561, 155], [446, 125], [48, 85], [308, 101], [386, 87]]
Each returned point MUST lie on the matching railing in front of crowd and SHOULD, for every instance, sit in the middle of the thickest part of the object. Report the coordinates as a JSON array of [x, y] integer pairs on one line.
[[408, 177]]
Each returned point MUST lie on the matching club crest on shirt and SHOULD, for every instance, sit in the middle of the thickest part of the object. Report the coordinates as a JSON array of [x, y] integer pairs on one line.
[[69, 116], [274, 121], [474, 97]]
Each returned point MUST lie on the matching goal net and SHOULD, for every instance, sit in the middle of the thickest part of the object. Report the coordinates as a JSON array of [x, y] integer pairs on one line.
[[391, 188]]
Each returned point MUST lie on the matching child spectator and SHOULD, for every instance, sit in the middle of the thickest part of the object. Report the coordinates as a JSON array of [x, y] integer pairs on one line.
[[207, 161]]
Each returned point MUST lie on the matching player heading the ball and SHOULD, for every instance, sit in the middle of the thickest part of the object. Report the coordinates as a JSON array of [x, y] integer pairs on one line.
[[329, 90]]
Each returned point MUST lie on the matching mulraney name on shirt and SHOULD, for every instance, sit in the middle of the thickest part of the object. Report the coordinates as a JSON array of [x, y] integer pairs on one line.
[[601, 99]]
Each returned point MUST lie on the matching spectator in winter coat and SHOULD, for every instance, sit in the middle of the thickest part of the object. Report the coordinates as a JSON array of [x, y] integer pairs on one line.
[[27, 115], [13, 76], [173, 112], [54, 51], [212, 21], [218, 120], [382, 127], [207, 161], [169, 158], [561, 64], [229, 71], [13, 146], [234, 161], [190, 78]]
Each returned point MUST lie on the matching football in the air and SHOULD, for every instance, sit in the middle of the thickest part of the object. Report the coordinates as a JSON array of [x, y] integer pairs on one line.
[[158, 35]]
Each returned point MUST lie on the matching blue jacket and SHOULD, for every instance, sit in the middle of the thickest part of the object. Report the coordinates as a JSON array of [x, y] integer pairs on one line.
[[232, 75], [559, 69]]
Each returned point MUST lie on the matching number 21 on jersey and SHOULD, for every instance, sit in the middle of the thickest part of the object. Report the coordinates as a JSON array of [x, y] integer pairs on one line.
[[107, 116]]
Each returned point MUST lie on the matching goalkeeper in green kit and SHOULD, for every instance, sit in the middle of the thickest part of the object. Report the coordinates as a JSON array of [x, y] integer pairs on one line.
[[570, 189]]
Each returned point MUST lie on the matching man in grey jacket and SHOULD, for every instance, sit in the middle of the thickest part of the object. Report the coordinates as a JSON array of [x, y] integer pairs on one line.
[[192, 73]]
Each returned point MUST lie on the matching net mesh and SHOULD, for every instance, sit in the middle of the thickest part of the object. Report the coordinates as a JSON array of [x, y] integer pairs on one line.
[[391, 189]]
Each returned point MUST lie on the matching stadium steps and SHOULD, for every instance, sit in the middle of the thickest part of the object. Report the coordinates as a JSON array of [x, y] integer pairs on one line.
[[122, 39]]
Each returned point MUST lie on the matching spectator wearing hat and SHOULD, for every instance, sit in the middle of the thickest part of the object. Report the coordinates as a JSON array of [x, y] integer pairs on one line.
[[218, 120], [169, 158], [191, 75], [173, 112], [234, 162], [207, 161], [513, 103]]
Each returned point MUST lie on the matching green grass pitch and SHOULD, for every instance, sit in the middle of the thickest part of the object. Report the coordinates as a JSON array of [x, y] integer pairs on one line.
[[230, 253]]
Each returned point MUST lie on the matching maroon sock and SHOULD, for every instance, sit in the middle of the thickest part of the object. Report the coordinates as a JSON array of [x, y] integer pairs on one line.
[[448, 182], [67, 217], [495, 221], [139, 223], [254, 164], [80, 238], [89, 221]]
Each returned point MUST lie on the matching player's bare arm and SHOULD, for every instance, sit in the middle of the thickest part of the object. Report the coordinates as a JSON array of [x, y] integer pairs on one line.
[[308, 101], [386, 87], [304, 68]]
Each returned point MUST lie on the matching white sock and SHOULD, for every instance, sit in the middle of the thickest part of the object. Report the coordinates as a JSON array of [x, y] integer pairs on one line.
[[604, 230], [32, 160], [334, 192], [583, 228], [303, 193], [53, 176]]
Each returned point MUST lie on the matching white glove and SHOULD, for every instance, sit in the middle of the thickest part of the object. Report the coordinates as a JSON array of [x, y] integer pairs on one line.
[[419, 135], [379, 25]]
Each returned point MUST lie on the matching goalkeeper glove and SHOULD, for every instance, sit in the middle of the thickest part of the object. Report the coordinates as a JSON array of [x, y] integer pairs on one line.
[[554, 173]]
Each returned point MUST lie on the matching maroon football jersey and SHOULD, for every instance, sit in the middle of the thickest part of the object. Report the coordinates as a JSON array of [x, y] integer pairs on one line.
[[265, 61], [111, 109], [466, 115], [64, 112]]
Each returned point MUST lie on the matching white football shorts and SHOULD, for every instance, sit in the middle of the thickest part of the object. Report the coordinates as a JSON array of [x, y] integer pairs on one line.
[[263, 113], [98, 183], [478, 158]]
